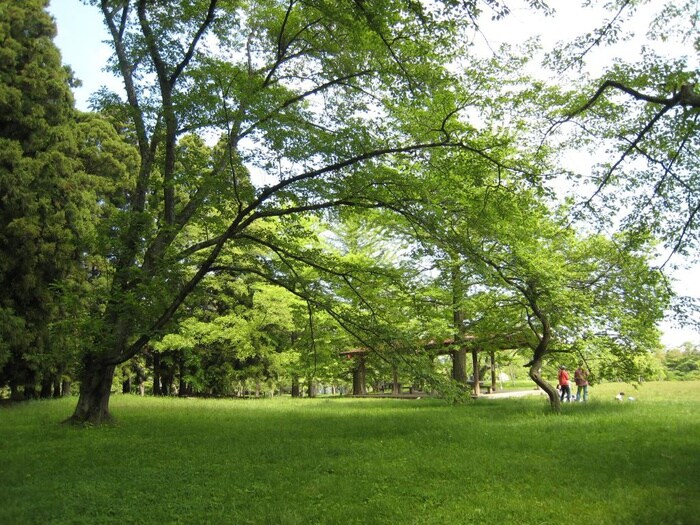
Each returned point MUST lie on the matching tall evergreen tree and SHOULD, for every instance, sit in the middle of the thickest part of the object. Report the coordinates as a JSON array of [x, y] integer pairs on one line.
[[48, 157]]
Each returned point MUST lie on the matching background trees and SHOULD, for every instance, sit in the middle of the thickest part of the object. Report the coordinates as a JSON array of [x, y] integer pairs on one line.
[[339, 152], [307, 97]]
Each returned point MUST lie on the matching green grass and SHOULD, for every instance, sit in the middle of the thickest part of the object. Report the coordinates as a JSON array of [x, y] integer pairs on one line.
[[362, 461]]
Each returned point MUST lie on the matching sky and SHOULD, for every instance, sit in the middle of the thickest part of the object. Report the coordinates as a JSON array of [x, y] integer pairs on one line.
[[81, 38]]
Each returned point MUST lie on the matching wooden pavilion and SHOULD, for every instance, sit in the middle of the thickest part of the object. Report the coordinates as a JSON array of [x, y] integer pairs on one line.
[[456, 350]]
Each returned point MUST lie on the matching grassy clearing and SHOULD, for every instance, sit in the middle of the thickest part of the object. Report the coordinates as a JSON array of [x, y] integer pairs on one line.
[[348, 461]]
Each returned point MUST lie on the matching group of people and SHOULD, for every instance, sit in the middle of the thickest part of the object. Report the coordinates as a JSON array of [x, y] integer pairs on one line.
[[581, 380]]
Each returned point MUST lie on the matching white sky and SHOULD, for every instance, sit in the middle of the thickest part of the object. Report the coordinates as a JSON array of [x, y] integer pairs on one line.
[[81, 35]]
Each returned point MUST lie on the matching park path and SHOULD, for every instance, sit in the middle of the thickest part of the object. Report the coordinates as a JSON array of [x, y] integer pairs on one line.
[[513, 393]]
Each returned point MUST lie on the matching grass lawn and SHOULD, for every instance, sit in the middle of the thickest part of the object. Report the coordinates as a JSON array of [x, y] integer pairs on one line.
[[358, 461]]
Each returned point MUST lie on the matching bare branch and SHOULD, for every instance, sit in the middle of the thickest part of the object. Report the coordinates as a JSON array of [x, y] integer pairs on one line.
[[632, 146]]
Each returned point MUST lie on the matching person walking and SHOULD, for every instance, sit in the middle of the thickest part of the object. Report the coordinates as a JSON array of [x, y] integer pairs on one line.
[[581, 380], [564, 384]]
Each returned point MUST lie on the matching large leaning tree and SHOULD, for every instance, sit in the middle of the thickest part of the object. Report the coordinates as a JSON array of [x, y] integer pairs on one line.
[[549, 288], [306, 102]]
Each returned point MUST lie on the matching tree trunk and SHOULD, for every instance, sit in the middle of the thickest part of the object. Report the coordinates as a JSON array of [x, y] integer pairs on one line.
[[126, 386], [57, 386], [396, 386], [475, 367], [30, 386], [493, 371], [459, 366], [95, 387], [312, 388], [182, 384], [46, 387], [459, 356], [156, 374], [536, 376], [295, 387], [140, 378], [358, 377], [66, 388], [15, 393]]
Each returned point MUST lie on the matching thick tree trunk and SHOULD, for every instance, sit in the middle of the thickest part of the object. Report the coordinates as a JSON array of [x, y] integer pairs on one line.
[[459, 366], [66, 388], [15, 393], [95, 387], [535, 375], [46, 387], [396, 386], [358, 377], [312, 388], [30, 386]]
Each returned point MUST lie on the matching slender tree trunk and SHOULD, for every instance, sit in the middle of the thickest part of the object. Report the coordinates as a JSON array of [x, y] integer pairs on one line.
[[396, 387], [535, 375], [459, 356], [493, 371], [475, 367], [57, 386], [95, 386], [183, 387], [295, 387], [156, 374]]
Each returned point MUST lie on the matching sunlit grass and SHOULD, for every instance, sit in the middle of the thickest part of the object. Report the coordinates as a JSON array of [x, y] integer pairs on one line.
[[358, 461]]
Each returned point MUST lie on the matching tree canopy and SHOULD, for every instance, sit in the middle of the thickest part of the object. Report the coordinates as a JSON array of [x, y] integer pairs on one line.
[[285, 178]]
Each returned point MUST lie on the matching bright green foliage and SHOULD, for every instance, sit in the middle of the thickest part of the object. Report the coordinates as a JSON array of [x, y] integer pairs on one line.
[[683, 363], [259, 124], [311, 103], [224, 346], [529, 278]]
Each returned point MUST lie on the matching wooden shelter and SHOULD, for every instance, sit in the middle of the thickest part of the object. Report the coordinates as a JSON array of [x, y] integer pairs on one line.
[[457, 350]]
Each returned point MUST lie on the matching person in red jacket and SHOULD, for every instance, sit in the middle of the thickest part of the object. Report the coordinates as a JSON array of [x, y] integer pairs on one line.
[[564, 384]]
